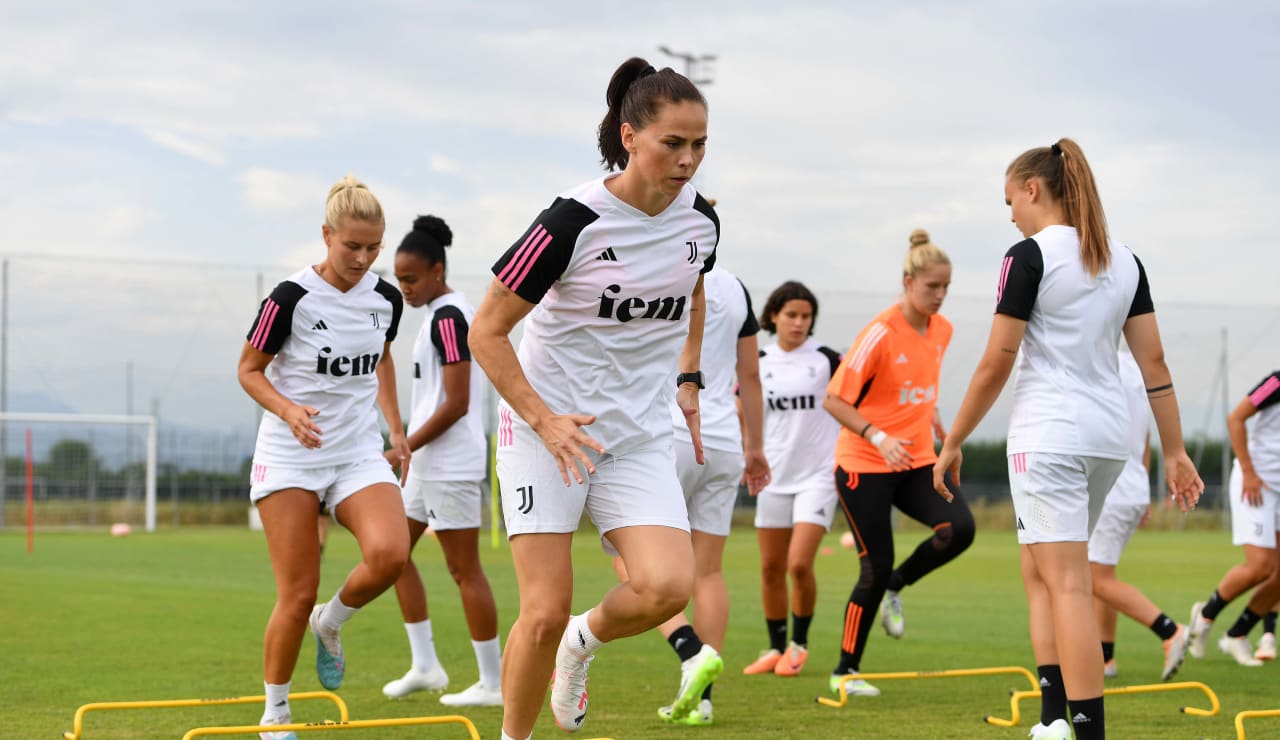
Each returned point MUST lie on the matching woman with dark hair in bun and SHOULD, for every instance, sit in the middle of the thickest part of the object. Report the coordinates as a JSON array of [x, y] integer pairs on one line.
[[609, 277], [444, 489]]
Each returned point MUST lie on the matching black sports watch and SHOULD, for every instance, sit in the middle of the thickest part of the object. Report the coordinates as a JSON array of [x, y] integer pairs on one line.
[[694, 377]]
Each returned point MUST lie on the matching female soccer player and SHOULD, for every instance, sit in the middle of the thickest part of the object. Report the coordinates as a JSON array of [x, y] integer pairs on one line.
[[1125, 506], [885, 397], [318, 360], [1255, 525], [444, 489], [610, 278], [796, 508], [733, 450], [1065, 295]]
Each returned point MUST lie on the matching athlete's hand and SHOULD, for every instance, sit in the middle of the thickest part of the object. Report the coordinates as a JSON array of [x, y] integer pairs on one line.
[[299, 420], [1184, 482], [564, 438], [398, 455], [894, 452], [948, 462], [756, 475], [687, 400], [939, 432], [1252, 488]]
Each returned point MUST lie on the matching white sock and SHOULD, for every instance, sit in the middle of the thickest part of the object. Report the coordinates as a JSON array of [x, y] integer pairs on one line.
[[581, 641], [489, 660], [505, 736], [335, 613], [277, 700], [421, 645]]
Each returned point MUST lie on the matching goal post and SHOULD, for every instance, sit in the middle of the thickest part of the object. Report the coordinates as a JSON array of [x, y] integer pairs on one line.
[[75, 451]]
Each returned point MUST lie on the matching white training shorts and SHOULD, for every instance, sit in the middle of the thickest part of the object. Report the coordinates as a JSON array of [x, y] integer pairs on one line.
[[333, 484], [1116, 524], [710, 489], [1252, 525], [444, 504], [636, 488], [1056, 497], [813, 505]]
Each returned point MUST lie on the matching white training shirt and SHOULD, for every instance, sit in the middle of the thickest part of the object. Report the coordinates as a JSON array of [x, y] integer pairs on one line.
[[1133, 487], [729, 318], [459, 452], [327, 345], [613, 287], [799, 434], [1264, 440], [1067, 397]]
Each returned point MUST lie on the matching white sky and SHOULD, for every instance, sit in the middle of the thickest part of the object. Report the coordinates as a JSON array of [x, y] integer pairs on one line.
[[211, 131]]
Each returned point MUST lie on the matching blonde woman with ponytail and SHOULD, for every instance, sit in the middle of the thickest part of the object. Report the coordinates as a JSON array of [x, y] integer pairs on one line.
[[318, 360], [885, 396], [1066, 295]]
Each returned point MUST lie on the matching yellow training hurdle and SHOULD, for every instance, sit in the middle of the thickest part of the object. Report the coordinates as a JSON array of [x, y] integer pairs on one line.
[[953, 673], [358, 724], [1214, 707], [77, 730], [1252, 714]]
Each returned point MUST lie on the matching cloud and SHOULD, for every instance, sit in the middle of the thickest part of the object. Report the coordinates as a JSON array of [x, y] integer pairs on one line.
[[266, 191], [185, 146], [443, 165]]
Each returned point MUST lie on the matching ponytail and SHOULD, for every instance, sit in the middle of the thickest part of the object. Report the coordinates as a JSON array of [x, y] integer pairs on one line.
[[428, 239], [1068, 178], [922, 253], [349, 198], [634, 94]]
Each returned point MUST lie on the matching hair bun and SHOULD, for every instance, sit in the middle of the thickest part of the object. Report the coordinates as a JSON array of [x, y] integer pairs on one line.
[[919, 238], [435, 227]]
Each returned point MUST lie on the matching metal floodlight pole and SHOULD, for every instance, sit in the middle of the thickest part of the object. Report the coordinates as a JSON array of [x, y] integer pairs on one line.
[[697, 67]]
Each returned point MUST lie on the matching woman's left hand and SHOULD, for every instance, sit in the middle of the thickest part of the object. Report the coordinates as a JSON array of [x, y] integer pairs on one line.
[[948, 462], [687, 400], [398, 455]]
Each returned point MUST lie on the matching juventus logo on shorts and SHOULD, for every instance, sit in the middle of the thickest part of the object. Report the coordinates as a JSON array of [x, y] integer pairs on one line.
[[526, 499]]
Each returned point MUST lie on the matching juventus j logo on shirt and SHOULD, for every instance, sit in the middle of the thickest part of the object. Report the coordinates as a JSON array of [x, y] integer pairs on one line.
[[693, 251]]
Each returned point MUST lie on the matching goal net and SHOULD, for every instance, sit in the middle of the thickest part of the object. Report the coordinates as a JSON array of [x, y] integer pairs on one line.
[[86, 470]]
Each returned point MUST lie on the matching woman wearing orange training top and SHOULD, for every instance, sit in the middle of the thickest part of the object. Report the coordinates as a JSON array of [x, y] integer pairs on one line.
[[885, 397]]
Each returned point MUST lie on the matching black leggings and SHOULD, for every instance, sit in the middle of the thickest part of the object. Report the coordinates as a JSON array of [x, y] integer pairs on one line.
[[867, 500]]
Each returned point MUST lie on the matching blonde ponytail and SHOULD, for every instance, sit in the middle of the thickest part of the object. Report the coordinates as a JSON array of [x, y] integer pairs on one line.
[[922, 253], [349, 198]]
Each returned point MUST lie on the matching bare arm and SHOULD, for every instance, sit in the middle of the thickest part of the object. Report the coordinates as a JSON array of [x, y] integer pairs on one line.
[[893, 450], [984, 388], [252, 374], [457, 399], [1143, 335], [751, 410], [1239, 435], [390, 405], [491, 347], [690, 360]]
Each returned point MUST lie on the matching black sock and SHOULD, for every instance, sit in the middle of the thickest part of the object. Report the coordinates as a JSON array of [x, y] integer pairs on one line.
[[685, 642], [777, 634], [896, 581], [800, 629], [1245, 623], [1269, 623], [1108, 651], [1053, 695], [1164, 627], [1088, 720], [706, 693], [1215, 604]]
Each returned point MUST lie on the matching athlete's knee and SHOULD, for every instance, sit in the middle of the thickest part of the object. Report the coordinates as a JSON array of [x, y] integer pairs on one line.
[[296, 602], [955, 536], [875, 572], [386, 560], [543, 625], [800, 570], [664, 593], [773, 570]]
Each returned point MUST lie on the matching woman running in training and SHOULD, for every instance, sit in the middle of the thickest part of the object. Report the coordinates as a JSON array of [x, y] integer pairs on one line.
[[445, 486], [609, 277], [885, 396], [318, 360], [1255, 527], [1066, 294], [1123, 511], [795, 510]]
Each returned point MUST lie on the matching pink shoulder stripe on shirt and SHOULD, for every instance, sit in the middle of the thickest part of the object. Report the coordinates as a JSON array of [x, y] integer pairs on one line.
[[269, 311], [1004, 277], [449, 337], [869, 342], [524, 258], [1264, 391]]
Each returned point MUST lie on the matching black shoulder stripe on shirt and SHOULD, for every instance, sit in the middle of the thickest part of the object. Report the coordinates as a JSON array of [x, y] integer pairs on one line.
[[274, 322], [750, 327], [540, 256], [389, 291], [701, 205], [833, 357], [1266, 393], [1142, 296], [1020, 275], [449, 330]]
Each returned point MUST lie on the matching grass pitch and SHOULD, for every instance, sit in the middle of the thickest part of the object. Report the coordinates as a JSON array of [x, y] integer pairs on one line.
[[180, 613]]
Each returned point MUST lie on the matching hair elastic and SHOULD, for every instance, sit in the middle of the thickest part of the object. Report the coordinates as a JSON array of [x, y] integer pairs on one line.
[[1057, 150], [648, 70]]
